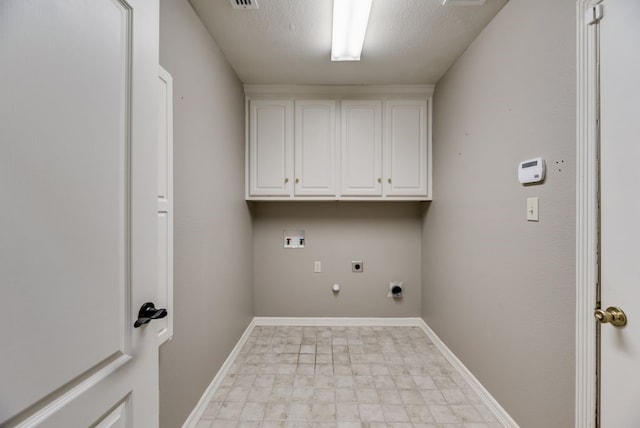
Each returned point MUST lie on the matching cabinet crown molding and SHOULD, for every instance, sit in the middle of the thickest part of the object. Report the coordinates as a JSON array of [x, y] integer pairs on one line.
[[341, 91]]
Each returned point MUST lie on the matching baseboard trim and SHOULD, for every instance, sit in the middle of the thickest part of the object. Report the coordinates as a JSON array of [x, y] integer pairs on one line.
[[494, 407], [335, 322], [197, 412], [498, 412]]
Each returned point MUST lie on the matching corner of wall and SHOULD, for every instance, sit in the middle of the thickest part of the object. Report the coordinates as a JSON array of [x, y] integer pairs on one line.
[[212, 226]]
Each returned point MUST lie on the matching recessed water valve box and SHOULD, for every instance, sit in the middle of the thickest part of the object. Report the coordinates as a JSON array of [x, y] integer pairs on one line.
[[395, 289], [294, 239], [357, 266]]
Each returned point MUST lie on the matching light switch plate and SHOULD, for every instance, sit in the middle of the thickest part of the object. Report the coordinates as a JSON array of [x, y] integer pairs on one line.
[[317, 267], [532, 209]]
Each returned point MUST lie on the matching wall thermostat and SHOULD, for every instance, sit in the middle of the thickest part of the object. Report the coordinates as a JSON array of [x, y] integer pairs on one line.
[[531, 171]]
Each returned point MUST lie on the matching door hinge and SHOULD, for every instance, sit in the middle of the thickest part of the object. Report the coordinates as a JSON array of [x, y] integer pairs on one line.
[[593, 14]]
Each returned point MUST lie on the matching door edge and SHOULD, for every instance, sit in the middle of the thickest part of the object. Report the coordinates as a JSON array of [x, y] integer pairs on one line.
[[586, 219]]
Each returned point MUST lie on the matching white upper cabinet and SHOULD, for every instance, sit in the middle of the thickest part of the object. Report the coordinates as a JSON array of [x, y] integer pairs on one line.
[[406, 151], [342, 142], [314, 148], [270, 147], [361, 147]]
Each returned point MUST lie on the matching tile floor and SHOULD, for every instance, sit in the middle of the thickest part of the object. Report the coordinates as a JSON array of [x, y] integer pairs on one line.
[[343, 377]]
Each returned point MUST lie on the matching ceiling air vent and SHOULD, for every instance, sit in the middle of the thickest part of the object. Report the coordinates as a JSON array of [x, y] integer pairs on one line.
[[244, 4]]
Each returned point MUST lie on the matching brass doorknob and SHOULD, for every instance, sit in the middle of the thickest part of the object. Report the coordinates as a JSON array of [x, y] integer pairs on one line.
[[613, 315]]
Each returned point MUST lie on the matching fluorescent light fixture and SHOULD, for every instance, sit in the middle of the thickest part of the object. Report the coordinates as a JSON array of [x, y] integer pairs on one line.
[[350, 18], [462, 2]]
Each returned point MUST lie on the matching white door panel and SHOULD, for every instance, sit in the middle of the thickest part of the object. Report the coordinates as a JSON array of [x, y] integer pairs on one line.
[[116, 419], [620, 210], [77, 183]]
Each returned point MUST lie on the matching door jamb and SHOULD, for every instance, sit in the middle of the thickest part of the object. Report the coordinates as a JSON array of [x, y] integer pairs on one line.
[[587, 219]]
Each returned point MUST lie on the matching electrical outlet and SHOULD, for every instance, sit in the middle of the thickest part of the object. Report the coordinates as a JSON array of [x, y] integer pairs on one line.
[[357, 266]]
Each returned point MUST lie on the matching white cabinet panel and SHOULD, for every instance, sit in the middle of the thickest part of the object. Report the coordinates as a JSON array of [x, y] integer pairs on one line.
[[361, 143], [315, 140], [406, 148], [270, 147]]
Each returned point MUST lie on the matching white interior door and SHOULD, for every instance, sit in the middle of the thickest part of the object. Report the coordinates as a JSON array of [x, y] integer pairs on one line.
[[620, 211], [78, 256]]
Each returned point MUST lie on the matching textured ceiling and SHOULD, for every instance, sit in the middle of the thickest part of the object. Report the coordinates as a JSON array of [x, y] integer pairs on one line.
[[289, 41]]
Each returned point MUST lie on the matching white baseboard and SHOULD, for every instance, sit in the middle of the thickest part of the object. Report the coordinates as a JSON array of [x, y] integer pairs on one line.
[[197, 412], [336, 322], [494, 407]]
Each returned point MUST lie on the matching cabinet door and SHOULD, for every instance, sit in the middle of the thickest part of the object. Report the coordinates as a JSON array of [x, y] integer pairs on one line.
[[270, 147], [361, 140], [405, 148], [315, 140]]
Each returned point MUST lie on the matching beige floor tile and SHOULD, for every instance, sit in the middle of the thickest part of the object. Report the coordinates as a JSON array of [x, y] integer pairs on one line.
[[346, 395], [300, 411], [347, 412], [419, 413], [324, 411], [395, 413], [466, 413], [367, 395], [371, 412], [259, 395], [343, 377], [230, 411], [443, 414], [276, 411], [253, 412], [389, 396]]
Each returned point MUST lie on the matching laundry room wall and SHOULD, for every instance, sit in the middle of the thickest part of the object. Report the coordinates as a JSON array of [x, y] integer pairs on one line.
[[213, 298], [500, 290]]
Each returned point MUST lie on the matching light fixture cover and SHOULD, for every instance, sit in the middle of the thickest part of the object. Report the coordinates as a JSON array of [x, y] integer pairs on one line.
[[463, 2], [350, 18]]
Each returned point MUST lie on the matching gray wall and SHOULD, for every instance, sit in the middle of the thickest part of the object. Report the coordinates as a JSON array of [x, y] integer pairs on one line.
[[386, 236], [499, 290], [213, 288]]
